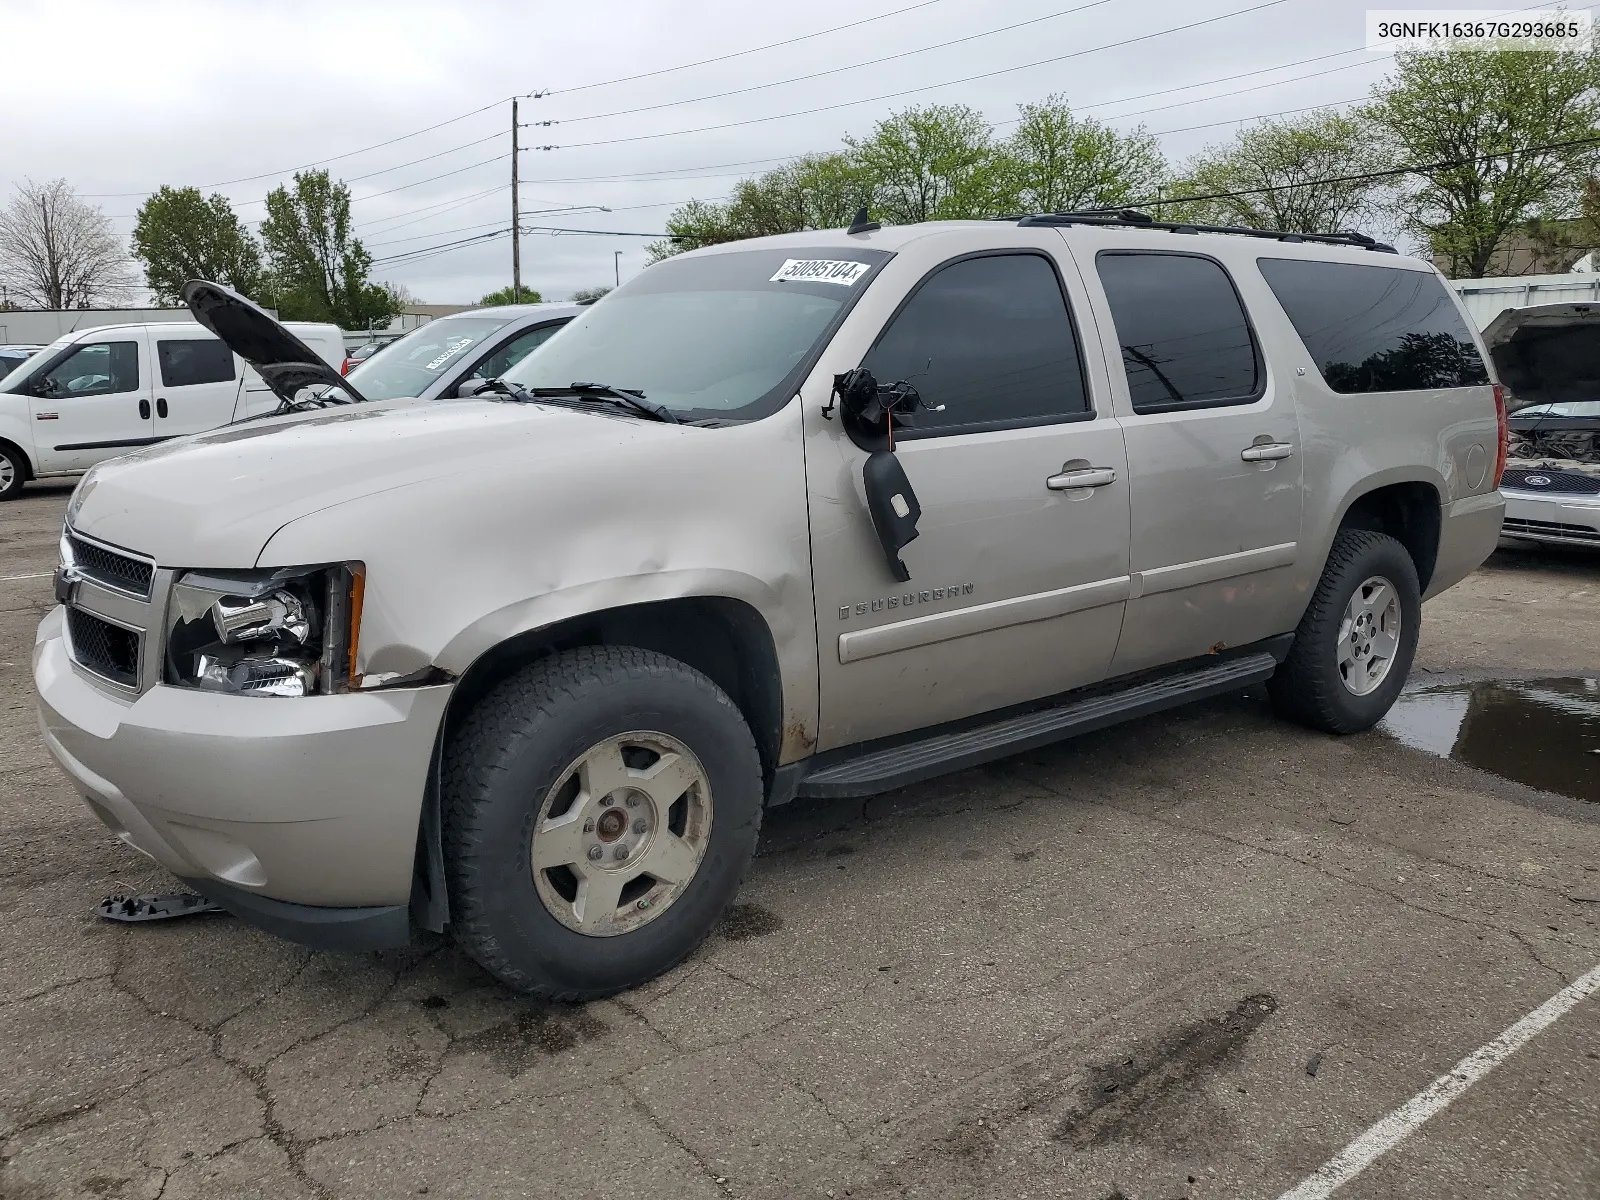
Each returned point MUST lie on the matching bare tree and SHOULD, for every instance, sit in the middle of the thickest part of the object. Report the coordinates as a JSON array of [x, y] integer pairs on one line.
[[58, 252]]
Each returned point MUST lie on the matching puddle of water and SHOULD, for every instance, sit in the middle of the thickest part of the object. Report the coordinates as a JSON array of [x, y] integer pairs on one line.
[[1544, 733]]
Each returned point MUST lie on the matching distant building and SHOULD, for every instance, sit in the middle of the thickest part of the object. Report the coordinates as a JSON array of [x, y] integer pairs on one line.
[[41, 326], [1487, 298], [411, 317], [1540, 250]]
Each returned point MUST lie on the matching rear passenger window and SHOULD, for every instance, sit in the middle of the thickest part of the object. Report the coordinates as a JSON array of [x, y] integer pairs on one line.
[[189, 361], [991, 340], [1185, 340], [1376, 329]]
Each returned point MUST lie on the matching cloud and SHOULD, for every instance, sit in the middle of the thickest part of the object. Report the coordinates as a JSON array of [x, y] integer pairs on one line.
[[120, 99]]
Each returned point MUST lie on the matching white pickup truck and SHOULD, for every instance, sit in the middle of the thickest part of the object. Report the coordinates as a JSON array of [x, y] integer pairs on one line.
[[97, 393]]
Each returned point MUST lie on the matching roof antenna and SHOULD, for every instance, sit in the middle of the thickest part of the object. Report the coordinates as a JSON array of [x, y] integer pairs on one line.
[[863, 223]]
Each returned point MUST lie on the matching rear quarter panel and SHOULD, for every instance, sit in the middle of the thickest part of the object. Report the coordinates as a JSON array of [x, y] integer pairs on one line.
[[1354, 444]]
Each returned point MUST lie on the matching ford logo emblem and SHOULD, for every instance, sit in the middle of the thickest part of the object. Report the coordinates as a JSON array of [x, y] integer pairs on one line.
[[1537, 481]]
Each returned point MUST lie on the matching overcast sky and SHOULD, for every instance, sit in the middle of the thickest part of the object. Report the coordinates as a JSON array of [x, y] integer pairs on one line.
[[119, 98]]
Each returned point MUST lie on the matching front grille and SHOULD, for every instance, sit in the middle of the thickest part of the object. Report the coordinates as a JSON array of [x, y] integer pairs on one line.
[[120, 571], [1570, 482], [108, 650], [1579, 533]]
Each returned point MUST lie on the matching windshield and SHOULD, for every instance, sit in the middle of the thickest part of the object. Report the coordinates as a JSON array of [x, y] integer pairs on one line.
[[725, 335], [410, 366]]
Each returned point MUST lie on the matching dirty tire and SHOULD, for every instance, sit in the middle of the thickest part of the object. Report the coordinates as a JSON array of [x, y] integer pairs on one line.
[[507, 755], [13, 471], [1306, 687]]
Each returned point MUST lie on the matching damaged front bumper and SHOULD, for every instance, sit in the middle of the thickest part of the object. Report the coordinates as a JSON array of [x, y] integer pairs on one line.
[[298, 815]]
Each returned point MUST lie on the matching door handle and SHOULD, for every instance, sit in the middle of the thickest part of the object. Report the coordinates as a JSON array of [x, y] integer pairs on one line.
[[1266, 451], [161, 407], [1083, 477], [144, 410]]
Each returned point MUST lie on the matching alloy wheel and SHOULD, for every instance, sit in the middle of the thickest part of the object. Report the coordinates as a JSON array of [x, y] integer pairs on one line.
[[1369, 636], [621, 834]]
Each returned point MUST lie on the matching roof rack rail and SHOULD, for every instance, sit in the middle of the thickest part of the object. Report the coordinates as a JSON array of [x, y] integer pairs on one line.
[[1135, 219]]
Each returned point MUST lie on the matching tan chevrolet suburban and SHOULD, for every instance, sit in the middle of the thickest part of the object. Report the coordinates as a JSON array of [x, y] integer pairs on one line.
[[816, 515]]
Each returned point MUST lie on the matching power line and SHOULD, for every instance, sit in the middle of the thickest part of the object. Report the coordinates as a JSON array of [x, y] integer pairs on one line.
[[1360, 176], [643, 137], [308, 166], [1257, 117], [431, 178], [428, 210], [583, 87], [495, 104], [628, 112]]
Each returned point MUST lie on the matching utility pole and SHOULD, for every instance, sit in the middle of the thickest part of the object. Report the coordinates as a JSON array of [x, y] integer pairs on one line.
[[516, 215], [616, 266]]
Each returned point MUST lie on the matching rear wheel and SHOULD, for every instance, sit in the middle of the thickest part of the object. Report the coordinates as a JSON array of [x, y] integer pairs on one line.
[[13, 472], [600, 810], [1353, 649]]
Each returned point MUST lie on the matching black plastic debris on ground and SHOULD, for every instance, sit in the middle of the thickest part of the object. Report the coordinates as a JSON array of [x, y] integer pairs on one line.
[[134, 909]]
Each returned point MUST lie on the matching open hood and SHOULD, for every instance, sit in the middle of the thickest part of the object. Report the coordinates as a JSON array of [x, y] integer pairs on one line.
[[285, 363], [1547, 353]]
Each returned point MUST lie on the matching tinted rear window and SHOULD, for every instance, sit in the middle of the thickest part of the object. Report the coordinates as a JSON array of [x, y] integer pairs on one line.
[[1376, 329], [1185, 340], [188, 361]]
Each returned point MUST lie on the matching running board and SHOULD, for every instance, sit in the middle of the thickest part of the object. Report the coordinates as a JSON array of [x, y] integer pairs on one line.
[[883, 770]]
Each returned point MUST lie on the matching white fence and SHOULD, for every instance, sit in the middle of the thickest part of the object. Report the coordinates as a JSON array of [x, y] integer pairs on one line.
[[1486, 299]]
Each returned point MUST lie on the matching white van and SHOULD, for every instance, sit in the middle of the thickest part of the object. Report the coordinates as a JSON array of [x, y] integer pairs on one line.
[[97, 393]]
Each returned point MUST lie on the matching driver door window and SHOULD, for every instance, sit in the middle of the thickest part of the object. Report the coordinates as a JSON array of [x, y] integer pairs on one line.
[[989, 339], [513, 352], [95, 369]]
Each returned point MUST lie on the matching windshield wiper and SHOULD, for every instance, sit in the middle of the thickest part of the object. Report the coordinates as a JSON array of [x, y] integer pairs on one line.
[[632, 399], [501, 388]]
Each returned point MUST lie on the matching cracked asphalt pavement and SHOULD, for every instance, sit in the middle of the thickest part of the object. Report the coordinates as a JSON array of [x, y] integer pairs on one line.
[[1190, 957]]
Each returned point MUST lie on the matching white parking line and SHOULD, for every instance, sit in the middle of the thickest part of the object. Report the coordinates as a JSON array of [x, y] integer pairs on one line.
[[1438, 1095], [40, 575]]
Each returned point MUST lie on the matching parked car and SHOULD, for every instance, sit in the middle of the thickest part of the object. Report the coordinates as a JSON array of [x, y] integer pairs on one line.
[[435, 359], [97, 393], [808, 516], [1546, 354], [352, 357], [12, 357]]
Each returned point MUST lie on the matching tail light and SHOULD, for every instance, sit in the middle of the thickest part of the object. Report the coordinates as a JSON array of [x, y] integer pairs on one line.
[[1505, 432], [344, 367]]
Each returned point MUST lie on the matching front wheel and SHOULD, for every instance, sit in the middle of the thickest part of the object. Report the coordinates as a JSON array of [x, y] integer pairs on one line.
[[1354, 646], [13, 472], [600, 809]]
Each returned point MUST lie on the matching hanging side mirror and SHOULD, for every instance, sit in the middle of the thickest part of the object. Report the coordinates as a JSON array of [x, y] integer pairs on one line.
[[893, 506], [871, 411]]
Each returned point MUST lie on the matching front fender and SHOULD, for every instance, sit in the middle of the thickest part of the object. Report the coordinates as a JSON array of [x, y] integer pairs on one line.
[[16, 430], [460, 563]]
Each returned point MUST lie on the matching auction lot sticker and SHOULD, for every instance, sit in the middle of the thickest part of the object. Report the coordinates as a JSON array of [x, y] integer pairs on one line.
[[1391, 29], [820, 270]]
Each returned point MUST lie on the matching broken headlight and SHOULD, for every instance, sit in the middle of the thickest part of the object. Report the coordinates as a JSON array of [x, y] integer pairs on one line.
[[290, 631]]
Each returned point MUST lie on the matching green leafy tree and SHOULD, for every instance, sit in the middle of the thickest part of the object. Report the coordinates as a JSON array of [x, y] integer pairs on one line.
[[818, 191], [526, 296], [319, 272], [1514, 122], [1056, 162], [934, 163], [588, 294], [181, 235], [1292, 173]]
